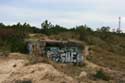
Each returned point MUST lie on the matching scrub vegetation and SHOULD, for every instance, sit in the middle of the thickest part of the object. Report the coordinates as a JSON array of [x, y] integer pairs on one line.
[[108, 46]]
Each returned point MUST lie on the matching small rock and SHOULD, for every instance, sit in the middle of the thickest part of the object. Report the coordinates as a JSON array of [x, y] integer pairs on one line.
[[14, 65], [83, 74]]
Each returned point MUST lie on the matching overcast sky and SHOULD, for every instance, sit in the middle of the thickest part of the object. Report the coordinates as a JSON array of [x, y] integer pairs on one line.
[[68, 13]]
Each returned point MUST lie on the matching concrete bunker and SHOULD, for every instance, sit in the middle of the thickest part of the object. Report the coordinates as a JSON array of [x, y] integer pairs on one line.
[[58, 51]]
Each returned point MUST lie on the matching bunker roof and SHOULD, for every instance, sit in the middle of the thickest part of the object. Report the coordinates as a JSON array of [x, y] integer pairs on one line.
[[59, 42]]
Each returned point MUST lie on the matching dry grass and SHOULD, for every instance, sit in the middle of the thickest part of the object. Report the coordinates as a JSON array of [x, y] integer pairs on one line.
[[108, 59]]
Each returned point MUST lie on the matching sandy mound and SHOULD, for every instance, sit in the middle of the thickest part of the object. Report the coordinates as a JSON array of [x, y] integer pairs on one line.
[[7, 67], [12, 71]]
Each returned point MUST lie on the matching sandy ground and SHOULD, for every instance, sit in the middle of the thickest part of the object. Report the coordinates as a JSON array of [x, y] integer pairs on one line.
[[12, 70], [7, 67]]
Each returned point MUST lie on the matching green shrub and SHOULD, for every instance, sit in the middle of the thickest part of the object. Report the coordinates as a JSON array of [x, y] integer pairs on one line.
[[16, 44], [12, 40], [100, 74]]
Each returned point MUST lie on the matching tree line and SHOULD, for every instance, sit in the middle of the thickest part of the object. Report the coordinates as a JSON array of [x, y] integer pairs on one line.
[[12, 36]]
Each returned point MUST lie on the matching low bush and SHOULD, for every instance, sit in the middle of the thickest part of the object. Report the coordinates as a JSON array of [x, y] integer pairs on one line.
[[100, 74], [17, 45]]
